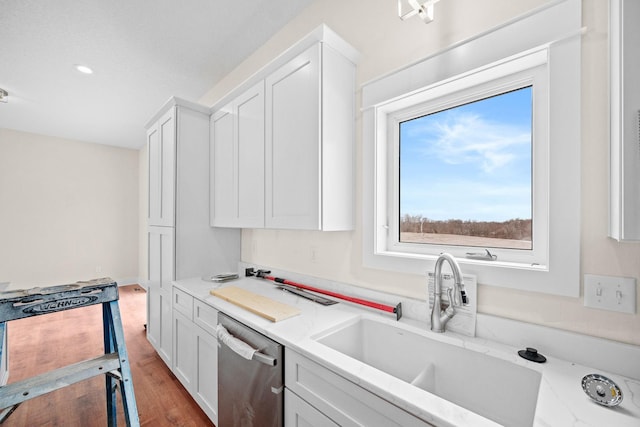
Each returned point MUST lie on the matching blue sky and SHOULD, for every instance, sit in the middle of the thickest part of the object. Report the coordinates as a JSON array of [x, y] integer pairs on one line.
[[472, 162]]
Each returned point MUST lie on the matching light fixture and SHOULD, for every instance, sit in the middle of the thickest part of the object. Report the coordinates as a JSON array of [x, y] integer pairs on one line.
[[424, 9], [83, 69], [4, 96]]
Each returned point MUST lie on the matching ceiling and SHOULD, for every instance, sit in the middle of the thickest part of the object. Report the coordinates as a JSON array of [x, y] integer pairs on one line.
[[142, 52]]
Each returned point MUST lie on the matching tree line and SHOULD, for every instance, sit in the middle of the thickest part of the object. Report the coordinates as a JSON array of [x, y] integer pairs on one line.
[[513, 229]]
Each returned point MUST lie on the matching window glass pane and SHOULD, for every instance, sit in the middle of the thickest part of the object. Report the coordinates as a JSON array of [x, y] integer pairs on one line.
[[465, 174]]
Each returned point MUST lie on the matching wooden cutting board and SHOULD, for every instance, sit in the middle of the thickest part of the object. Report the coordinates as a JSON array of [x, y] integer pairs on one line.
[[258, 304]]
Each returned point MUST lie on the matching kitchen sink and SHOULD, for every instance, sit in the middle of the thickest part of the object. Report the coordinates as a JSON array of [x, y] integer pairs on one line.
[[489, 386]]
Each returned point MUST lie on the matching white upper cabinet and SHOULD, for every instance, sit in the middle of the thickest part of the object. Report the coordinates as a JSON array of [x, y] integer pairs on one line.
[[291, 167], [309, 142], [624, 39], [237, 161], [161, 143], [293, 144]]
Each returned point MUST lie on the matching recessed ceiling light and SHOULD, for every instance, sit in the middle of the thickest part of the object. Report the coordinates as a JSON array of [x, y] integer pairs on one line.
[[84, 69]]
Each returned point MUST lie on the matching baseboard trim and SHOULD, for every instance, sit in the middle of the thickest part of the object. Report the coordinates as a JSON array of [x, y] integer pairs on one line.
[[124, 281]]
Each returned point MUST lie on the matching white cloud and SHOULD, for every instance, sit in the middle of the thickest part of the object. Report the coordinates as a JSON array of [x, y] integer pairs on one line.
[[461, 138]]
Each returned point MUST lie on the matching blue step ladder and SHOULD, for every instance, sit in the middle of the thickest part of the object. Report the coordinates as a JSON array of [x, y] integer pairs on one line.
[[114, 364]]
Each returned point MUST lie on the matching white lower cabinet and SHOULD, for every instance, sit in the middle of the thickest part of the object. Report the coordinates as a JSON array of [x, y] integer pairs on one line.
[[195, 352], [336, 398], [314, 395]]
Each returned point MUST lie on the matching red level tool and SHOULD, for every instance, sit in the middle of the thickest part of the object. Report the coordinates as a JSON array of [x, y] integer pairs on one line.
[[264, 274]]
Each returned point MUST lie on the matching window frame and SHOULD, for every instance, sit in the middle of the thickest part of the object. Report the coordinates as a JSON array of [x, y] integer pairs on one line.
[[548, 37]]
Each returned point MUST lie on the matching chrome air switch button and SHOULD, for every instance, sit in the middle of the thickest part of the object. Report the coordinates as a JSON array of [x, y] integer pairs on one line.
[[602, 390]]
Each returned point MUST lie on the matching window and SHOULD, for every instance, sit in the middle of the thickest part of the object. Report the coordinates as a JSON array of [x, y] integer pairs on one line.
[[465, 174], [492, 189]]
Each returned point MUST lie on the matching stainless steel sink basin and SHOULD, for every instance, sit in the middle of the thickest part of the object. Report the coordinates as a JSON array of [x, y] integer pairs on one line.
[[491, 387]]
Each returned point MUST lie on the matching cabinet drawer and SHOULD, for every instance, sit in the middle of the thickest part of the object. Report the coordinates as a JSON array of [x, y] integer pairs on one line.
[[183, 302], [205, 316]]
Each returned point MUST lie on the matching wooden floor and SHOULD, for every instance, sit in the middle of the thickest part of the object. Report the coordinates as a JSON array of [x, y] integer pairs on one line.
[[39, 344]]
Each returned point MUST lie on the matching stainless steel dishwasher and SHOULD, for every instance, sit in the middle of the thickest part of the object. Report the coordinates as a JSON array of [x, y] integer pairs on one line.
[[250, 377]]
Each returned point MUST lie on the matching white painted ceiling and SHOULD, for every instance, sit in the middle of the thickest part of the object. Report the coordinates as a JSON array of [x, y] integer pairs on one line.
[[142, 53]]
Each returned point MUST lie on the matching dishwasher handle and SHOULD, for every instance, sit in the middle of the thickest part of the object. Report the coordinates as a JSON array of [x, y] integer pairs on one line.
[[242, 348]]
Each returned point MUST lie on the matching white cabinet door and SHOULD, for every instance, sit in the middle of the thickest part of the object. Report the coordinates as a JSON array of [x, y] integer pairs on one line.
[[223, 209], [154, 301], [184, 339], [298, 413], [205, 388], [293, 144], [237, 162], [161, 268], [161, 145], [159, 323], [159, 319], [166, 330], [249, 109], [161, 273]]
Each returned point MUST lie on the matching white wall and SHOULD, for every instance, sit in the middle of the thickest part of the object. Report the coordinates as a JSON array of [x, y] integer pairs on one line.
[[67, 209]]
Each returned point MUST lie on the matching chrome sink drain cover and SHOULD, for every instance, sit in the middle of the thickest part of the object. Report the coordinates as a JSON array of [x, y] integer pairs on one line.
[[602, 390]]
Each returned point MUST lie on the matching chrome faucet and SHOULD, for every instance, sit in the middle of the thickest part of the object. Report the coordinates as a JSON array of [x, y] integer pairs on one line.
[[440, 317]]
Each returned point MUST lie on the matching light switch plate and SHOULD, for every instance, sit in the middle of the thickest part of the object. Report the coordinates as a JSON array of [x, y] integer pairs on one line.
[[610, 293]]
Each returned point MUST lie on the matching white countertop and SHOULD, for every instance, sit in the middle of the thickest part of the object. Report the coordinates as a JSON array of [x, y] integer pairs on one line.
[[561, 401]]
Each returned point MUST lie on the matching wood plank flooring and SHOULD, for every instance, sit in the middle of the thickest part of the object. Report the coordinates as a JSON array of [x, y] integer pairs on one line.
[[39, 344]]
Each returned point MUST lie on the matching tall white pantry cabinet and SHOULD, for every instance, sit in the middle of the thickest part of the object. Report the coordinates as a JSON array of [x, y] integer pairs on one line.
[[181, 243]]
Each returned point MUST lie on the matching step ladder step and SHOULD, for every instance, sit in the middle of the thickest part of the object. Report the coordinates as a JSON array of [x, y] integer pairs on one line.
[[29, 388], [38, 301]]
